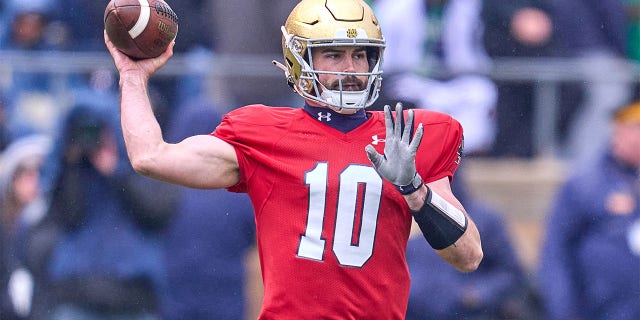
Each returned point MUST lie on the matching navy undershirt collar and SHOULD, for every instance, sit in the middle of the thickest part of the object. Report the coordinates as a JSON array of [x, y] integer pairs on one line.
[[339, 121]]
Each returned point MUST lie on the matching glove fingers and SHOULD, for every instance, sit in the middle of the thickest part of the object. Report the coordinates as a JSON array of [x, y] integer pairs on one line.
[[399, 121], [417, 138], [388, 121], [374, 156], [408, 126]]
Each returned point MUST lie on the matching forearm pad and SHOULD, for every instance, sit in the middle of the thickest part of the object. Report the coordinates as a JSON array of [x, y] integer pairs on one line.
[[442, 223]]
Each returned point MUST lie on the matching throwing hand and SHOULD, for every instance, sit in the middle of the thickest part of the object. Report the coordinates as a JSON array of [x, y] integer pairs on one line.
[[397, 164]]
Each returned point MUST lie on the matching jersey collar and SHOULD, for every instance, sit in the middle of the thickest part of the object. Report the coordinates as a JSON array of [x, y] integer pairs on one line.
[[338, 121]]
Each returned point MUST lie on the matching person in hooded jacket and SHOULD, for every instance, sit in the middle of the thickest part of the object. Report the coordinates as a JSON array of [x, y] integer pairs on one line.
[[21, 205], [589, 264], [98, 252]]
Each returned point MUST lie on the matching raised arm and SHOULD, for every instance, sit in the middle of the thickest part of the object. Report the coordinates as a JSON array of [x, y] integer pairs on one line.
[[202, 161]]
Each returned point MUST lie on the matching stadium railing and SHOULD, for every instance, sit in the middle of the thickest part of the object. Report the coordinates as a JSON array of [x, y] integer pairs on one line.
[[546, 74]]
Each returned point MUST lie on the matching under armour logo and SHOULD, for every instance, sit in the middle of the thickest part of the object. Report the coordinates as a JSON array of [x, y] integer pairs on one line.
[[326, 116], [376, 140]]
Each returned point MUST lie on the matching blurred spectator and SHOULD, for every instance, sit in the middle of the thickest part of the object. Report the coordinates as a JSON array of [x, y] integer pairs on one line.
[[7, 310], [19, 181], [245, 28], [208, 241], [516, 29], [97, 253], [4, 135], [196, 29], [82, 24], [498, 289], [590, 259], [79, 28], [21, 205], [632, 10], [595, 31], [26, 24], [195, 41], [32, 106], [438, 62]]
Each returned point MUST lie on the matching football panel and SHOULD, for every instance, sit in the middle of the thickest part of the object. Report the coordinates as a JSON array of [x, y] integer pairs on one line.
[[117, 32], [156, 37], [119, 22], [110, 7]]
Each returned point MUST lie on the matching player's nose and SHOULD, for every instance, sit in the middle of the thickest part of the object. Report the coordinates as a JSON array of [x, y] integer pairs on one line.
[[349, 65]]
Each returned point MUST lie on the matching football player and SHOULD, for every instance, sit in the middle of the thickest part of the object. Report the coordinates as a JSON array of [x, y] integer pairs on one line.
[[335, 188]]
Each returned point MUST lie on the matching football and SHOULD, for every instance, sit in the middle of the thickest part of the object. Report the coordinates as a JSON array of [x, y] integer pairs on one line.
[[140, 29]]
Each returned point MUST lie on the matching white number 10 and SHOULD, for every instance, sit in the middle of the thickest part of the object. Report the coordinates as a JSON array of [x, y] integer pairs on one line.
[[312, 244]]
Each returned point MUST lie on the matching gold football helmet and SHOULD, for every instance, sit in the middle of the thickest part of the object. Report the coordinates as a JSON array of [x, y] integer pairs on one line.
[[321, 23]]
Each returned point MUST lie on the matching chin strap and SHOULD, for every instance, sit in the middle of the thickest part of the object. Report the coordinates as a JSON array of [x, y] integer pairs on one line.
[[287, 41], [281, 67], [286, 74]]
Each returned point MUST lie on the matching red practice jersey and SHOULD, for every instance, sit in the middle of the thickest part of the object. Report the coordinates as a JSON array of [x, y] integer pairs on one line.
[[332, 233]]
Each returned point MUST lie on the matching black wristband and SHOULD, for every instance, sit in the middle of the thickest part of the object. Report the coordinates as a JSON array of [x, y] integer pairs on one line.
[[441, 223], [416, 183]]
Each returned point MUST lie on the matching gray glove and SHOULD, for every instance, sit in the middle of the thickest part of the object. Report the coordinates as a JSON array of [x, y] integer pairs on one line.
[[398, 164]]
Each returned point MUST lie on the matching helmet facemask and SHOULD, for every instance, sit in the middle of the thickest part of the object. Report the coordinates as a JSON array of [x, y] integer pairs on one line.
[[334, 23], [309, 86]]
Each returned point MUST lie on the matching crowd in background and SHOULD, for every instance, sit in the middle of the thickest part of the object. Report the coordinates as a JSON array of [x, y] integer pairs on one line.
[[136, 249]]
